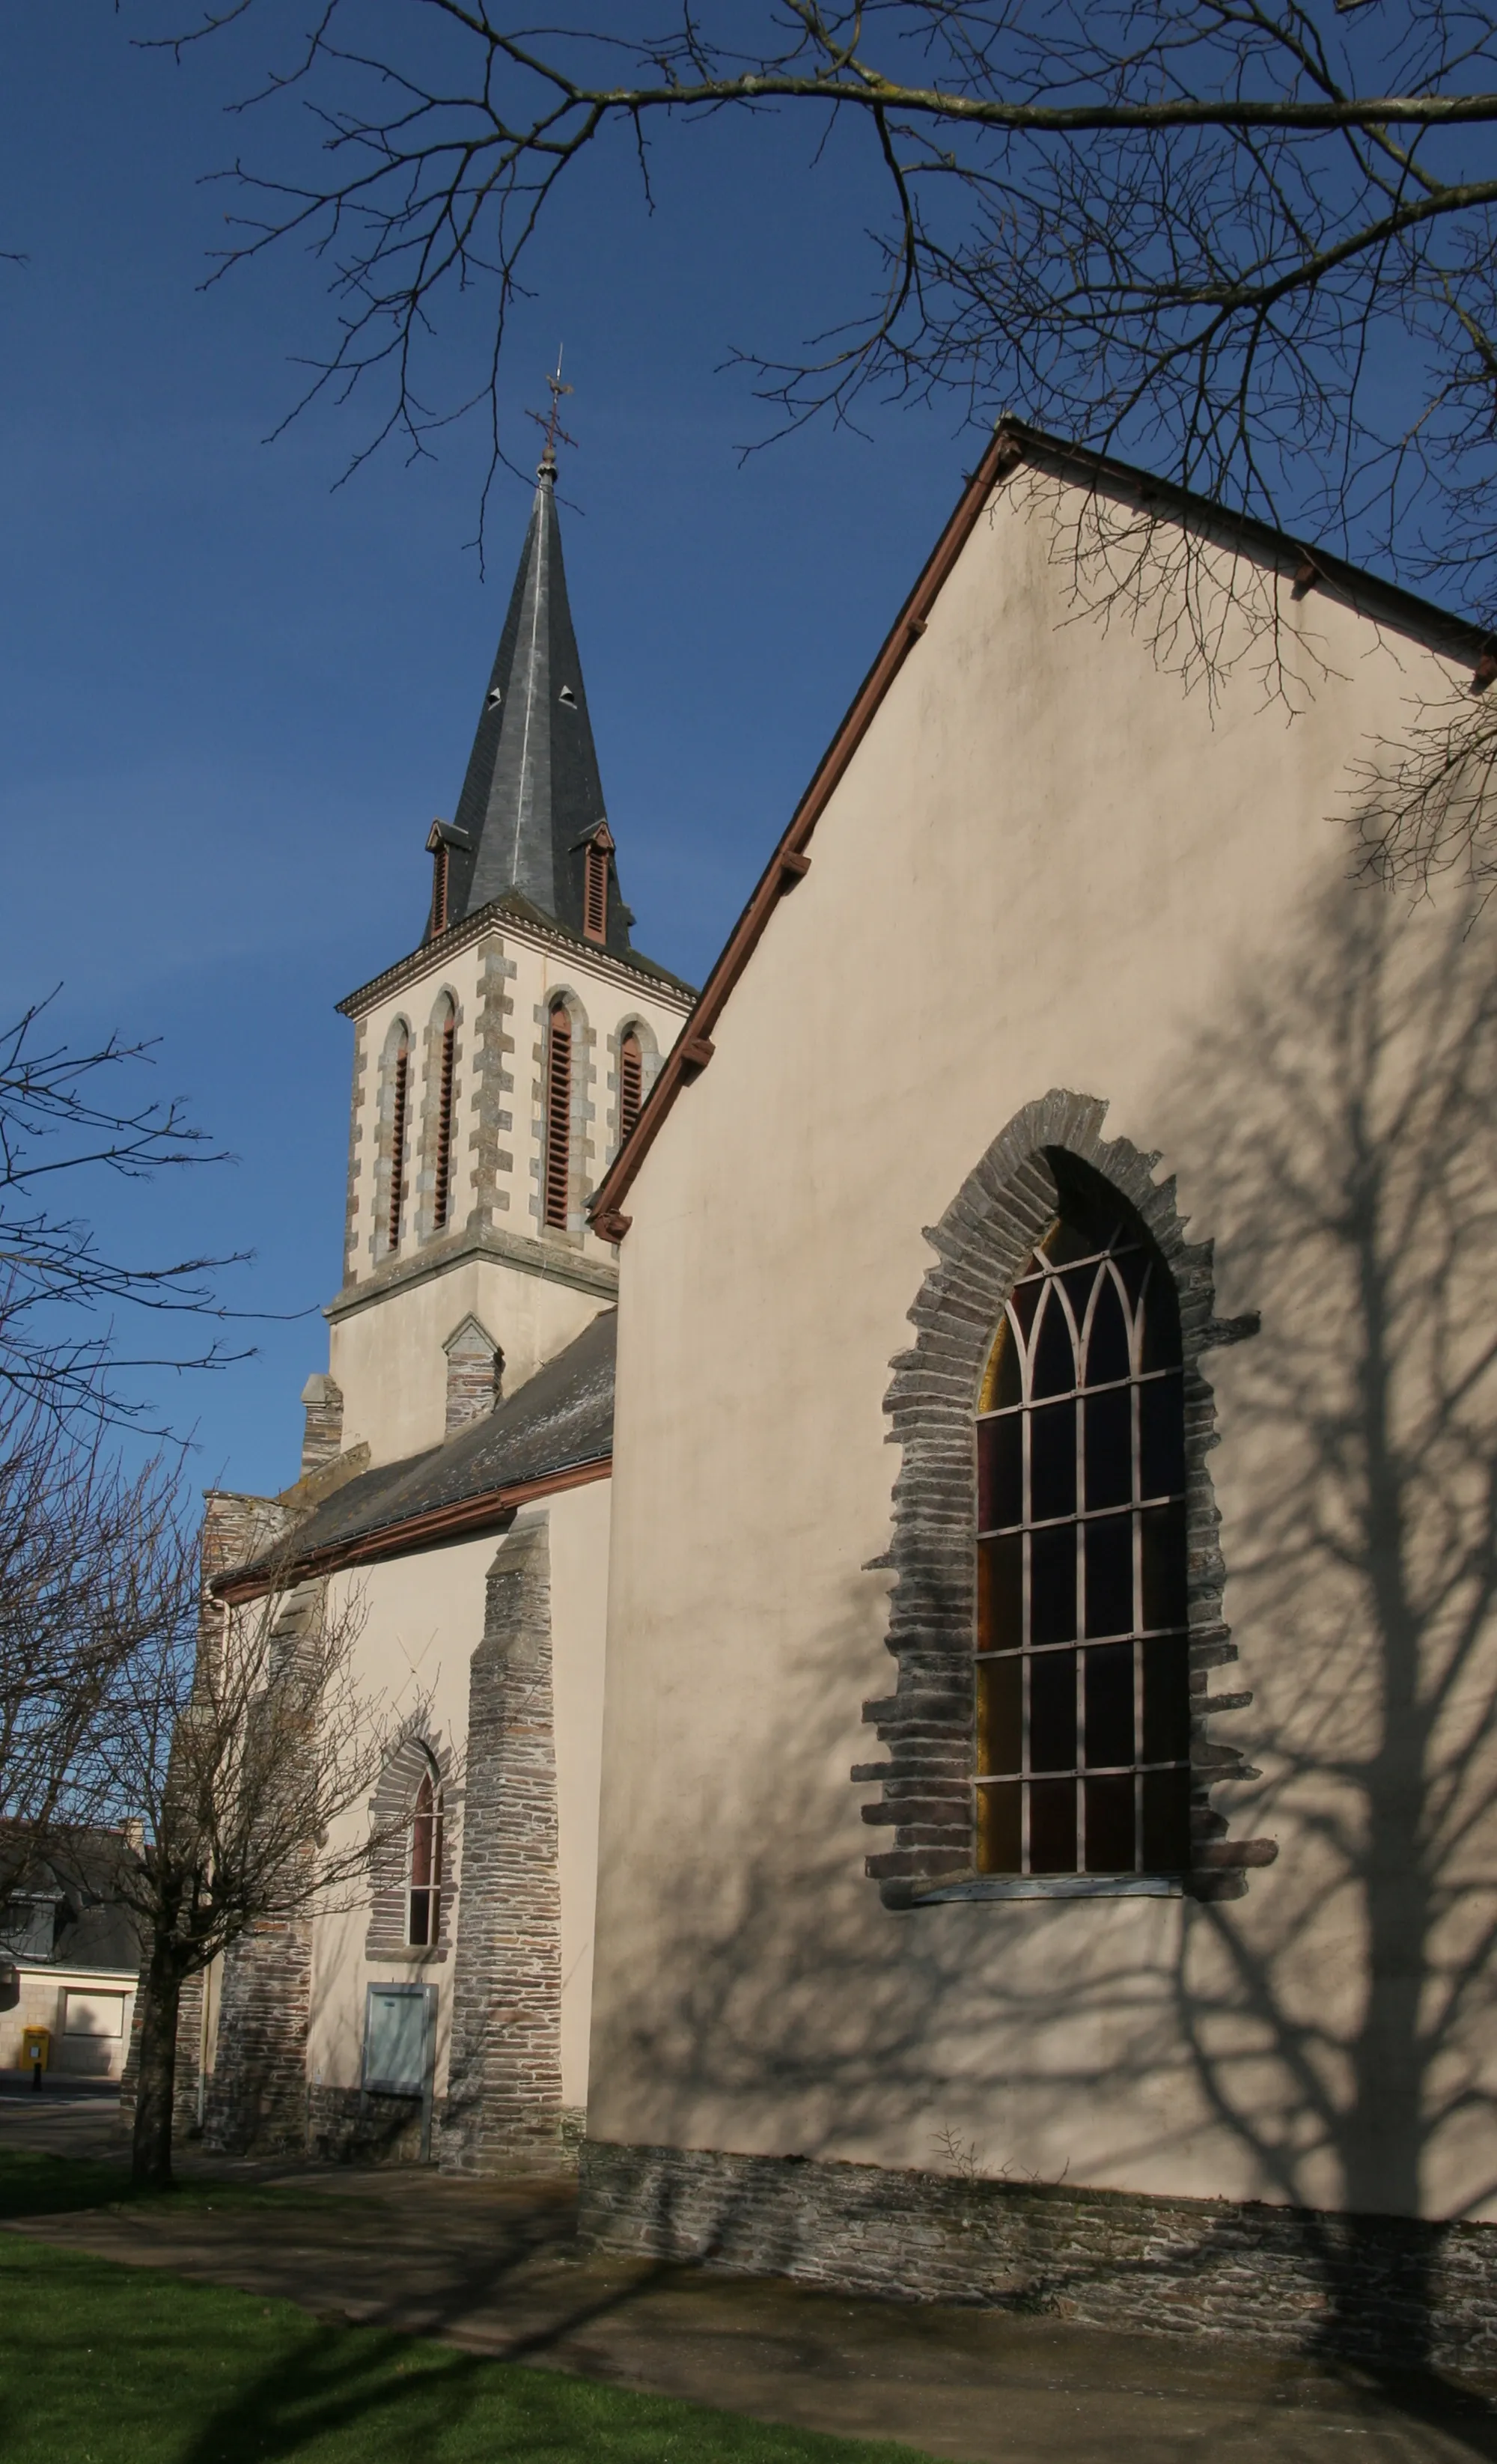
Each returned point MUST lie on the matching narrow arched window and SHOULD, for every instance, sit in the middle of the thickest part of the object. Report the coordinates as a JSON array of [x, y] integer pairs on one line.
[[399, 1091], [439, 873], [442, 1176], [423, 1892], [632, 1083], [595, 893], [1083, 1704], [558, 1115]]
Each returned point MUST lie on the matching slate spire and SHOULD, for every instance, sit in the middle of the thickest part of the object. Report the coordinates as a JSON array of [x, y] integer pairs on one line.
[[532, 799]]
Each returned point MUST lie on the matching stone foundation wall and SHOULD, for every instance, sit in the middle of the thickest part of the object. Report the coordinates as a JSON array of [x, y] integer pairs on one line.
[[356, 2125], [1290, 2278]]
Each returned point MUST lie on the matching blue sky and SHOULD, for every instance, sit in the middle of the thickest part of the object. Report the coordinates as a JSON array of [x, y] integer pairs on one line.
[[233, 694]]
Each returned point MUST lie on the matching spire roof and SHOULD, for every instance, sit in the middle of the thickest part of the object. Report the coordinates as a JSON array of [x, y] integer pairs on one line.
[[532, 799]]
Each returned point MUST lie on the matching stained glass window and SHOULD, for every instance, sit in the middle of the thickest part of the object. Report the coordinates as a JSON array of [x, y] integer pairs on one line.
[[1083, 1717]]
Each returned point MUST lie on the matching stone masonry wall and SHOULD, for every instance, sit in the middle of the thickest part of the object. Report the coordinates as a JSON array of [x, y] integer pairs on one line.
[[258, 2095], [503, 2109], [1387, 2287]]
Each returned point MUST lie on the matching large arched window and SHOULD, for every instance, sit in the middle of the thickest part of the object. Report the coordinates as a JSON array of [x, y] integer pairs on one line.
[[442, 1172], [558, 1115], [1083, 1718], [424, 1886]]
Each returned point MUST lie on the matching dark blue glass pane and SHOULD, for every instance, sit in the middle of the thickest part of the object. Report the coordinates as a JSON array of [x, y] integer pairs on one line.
[[1052, 1461], [1109, 1807], [1110, 1447], [1107, 1344], [1166, 1701], [1161, 1437], [1110, 1706], [1110, 1575], [1163, 1566], [1052, 1712], [1054, 1353], [1052, 1584], [1052, 1826]]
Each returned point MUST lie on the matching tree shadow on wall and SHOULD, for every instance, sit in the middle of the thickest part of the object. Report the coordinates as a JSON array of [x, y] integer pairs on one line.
[[1329, 2025], [1340, 2019]]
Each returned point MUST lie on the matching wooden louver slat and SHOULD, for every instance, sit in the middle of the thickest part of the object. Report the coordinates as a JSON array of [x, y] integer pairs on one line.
[[398, 1144], [558, 1116], [441, 1196], [632, 1084], [595, 895]]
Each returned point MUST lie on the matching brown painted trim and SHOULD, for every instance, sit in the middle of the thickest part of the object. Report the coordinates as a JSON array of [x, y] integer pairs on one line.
[[789, 861], [467, 1516]]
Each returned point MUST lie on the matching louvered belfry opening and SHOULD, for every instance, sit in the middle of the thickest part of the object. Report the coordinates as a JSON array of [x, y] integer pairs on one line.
[[424, 1899], [1083, 1703], [632, 1083], [595, 893], [398, 1143], [442, 1190], [439, 874], [558, 1115]]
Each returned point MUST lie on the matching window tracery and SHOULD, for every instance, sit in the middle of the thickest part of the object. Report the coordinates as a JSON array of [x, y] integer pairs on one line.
[[1082, 1685]]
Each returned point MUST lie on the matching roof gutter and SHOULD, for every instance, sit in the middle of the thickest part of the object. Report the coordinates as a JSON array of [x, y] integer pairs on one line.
[[468, 1516]]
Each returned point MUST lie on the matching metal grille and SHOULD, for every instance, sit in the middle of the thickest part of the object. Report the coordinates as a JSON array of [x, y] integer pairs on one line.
[[558, 1116], [441, 1192], [398, 1143], [595, 900], [632, 1084], [1083, 1705]]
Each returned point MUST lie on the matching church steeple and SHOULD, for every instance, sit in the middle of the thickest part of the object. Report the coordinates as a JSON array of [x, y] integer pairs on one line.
[[532, 804]]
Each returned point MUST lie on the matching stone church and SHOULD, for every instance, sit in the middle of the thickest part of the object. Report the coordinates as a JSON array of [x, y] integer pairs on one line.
[[937, 1496]]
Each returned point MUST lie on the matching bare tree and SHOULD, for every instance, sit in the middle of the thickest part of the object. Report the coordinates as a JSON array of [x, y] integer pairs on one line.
[[237, 1738], [70, 1526], [1251, 241], [61, 1119]]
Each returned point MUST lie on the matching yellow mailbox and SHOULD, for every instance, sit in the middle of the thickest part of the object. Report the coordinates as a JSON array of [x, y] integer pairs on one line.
[[35, 2047]]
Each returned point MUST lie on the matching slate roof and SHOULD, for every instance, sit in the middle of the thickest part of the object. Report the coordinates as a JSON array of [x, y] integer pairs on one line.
[[561, 1419], [532, 797]]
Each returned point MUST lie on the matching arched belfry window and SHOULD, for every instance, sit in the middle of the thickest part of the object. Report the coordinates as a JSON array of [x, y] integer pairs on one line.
[[558, 1115], [424, 1886], [399, 1090], [442, 1174], [595, 891], [1082, 1707], [631, 1082]]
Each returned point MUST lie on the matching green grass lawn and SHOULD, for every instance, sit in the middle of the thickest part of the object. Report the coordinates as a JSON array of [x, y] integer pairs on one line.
[[103, 2364]]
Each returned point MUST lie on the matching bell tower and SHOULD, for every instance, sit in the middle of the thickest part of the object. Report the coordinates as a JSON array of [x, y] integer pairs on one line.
[[498, 1065]]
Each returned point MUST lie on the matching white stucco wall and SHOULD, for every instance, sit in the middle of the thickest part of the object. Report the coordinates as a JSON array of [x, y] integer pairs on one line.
[[1047, 865]]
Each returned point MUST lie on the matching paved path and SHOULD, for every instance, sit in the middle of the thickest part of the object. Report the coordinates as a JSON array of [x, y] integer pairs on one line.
[[494, 2269]]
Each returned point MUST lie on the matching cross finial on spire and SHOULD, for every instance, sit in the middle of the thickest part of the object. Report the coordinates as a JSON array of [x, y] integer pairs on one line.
[[551, 422]]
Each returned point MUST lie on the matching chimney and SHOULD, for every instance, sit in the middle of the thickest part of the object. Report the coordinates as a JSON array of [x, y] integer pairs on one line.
[[324, 1440]]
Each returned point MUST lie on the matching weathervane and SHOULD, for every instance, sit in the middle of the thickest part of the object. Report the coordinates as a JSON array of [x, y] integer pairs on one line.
[[551, 421]]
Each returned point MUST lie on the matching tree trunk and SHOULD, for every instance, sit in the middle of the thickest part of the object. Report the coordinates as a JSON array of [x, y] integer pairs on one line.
[[150, 2153]]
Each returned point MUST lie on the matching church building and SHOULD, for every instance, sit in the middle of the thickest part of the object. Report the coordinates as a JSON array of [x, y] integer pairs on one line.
[[974, 1721], [455, 1471]]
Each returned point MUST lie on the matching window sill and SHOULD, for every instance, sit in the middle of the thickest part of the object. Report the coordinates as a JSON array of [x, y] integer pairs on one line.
[[1055, 1886]]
